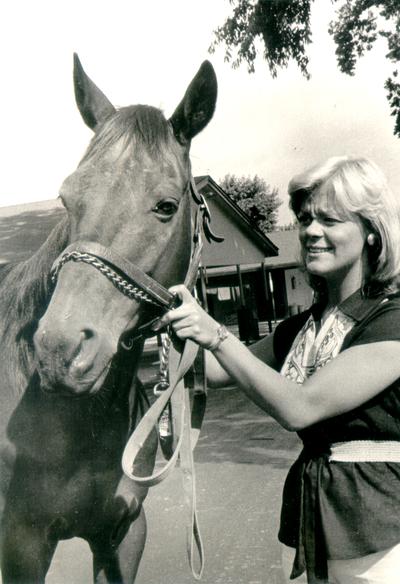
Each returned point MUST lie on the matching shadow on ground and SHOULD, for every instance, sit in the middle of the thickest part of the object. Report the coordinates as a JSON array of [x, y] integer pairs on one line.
[[235, 430]]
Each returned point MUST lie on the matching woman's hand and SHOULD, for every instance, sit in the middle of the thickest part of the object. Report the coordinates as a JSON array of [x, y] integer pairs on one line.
[[189, 320]]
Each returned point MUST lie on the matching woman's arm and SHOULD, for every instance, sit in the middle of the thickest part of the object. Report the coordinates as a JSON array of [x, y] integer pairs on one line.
[[349, 380], [217, 376]]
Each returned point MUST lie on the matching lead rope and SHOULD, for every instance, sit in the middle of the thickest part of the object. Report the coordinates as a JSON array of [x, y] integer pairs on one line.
[[180, 363], [171, 412]]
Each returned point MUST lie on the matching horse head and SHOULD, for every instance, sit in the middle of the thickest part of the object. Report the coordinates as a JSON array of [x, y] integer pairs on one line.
[[129, 194]]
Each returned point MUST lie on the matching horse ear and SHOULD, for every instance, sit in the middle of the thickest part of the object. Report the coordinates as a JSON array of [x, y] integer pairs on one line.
[[92, 103], [197, 106]]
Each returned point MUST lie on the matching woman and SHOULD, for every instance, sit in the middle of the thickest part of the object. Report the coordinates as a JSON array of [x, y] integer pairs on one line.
[[332, 374]]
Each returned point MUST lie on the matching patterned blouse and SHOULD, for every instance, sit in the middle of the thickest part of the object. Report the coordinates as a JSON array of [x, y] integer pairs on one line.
[[312, 349]]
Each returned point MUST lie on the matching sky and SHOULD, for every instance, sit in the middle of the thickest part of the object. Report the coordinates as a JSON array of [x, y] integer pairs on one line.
[[148, 51]]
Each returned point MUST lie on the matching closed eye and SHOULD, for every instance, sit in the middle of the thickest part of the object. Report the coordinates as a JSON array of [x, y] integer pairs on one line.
[[305, 219], [330, 219], [166, 209]]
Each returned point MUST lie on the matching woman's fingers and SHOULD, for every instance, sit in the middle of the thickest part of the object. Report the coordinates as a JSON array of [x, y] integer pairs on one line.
[[187, 307], [184, 311], [189, 320], [184, 294], [184, 332]]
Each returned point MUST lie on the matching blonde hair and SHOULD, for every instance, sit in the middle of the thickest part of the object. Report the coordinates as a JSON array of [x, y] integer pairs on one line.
[[357, 188]]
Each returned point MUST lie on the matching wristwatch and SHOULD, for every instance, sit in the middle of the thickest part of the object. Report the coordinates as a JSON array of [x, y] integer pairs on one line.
[[222, 334]]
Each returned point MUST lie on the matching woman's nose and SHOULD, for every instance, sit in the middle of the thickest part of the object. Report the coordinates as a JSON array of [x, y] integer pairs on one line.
[[313, 228]]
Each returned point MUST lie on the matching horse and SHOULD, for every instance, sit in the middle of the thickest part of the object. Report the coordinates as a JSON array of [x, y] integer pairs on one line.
[[67, 401]]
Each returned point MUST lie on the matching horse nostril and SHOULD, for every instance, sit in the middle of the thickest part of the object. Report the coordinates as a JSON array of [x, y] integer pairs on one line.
[[85, 352], [87, 334]]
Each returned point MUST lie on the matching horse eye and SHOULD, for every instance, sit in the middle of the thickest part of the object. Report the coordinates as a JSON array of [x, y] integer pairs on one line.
[[166, 209]]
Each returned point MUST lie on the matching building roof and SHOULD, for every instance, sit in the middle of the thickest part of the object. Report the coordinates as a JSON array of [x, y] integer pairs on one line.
[[244, 241], [287, 241]]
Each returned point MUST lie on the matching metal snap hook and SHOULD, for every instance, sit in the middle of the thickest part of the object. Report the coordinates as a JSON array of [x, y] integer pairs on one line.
[[127, 344], [160, 387]]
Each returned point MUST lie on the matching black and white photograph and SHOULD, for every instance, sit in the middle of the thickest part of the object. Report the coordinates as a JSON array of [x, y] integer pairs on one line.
[[199, 287]]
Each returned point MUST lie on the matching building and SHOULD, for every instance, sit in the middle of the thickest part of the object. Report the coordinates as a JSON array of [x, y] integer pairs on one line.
[[247, 278], [286, 274], [250, 276], [237, 289]]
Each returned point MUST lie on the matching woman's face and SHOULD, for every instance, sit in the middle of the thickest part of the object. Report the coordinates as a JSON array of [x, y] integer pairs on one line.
[[332, 246]]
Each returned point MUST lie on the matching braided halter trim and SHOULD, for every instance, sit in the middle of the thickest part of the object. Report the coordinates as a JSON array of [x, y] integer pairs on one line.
[[129, 290]]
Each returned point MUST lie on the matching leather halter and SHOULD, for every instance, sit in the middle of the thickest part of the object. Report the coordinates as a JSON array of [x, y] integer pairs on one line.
[[131, 280]]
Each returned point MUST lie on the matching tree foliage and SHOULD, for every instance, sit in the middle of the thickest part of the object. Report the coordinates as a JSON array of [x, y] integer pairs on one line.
[[257, 199], [284, 30]]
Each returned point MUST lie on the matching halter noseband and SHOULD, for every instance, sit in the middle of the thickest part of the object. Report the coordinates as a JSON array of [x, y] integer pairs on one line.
[[109, 263]]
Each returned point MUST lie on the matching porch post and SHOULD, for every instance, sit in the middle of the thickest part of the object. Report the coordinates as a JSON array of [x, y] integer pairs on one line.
[[271, 291], [241, 290], [266, 293]]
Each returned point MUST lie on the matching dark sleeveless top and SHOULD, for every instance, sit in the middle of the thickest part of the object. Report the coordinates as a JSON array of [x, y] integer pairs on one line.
[[342, 510]]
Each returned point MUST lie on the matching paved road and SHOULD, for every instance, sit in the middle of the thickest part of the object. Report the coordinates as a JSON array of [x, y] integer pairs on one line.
[[241, 460]]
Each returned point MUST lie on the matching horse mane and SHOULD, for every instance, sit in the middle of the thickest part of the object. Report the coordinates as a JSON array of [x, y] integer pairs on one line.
[[25, 289], [142, 125]]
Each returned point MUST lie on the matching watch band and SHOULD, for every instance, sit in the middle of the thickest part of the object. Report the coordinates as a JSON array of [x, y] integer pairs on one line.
[[222, 334]]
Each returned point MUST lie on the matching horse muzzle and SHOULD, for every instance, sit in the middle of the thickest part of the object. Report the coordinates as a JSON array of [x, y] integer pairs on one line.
[[72, 362]]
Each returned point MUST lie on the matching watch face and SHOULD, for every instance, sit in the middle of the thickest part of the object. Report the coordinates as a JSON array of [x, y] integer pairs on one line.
[[222, 332]]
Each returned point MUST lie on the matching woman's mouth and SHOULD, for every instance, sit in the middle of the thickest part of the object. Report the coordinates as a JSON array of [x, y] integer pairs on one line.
[[317, 249]]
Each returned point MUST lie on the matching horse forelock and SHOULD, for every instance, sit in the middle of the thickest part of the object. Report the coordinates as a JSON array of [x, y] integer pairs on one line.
[[142, 127]]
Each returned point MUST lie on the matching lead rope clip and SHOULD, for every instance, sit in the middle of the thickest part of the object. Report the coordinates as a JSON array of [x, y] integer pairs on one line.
[[165, 429]]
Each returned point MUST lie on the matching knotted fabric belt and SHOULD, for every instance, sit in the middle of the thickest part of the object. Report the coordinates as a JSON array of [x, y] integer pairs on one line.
[[365, 451]]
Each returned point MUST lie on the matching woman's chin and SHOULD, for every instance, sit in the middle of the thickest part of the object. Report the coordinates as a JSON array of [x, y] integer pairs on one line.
[[315, 269]]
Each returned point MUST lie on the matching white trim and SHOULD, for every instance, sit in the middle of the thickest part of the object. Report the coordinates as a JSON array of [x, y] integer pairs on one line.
[[366, 451]]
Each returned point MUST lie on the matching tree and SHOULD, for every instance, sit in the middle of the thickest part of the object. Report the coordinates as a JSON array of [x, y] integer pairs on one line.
[[284, 28], [255, 198]]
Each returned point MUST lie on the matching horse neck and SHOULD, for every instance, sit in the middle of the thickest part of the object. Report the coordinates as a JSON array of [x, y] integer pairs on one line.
[[25, 292]]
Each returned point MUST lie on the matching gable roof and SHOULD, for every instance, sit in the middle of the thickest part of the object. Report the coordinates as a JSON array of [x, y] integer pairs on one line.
[[243, 243]]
